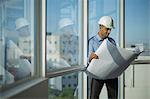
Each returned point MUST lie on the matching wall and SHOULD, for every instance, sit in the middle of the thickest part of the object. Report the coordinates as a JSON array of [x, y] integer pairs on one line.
[[39, 91]]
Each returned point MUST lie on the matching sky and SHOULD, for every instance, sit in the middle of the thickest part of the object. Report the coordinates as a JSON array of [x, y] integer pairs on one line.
[[137, 20]]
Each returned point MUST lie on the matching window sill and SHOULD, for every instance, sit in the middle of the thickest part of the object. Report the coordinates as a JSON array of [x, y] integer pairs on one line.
[[60, 72], [20, 88]]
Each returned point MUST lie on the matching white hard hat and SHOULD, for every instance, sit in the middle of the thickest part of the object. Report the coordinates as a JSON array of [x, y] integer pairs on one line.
[[21, 22], [107, 21], [65, 22]]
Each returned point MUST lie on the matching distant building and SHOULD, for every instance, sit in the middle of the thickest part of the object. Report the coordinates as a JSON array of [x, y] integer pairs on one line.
[[69, 48], [26, 45], [144, 47], [63, 47], [53, 48], [70, 81], [56, 83]]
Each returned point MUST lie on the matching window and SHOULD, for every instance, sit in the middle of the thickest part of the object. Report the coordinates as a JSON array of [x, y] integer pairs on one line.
[[137, 23], [16, 40], [63, 38], [61, 88], [1, 45], [137, 35], [63, 32], [97, 9]]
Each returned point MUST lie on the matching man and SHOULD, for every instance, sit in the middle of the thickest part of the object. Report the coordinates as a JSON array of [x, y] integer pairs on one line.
[[22, 27], [19, 53], [105, 26], [69, 41]]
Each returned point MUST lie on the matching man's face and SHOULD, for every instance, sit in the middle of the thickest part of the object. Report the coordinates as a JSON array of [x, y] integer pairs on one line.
[[67, 30], [24, 31], [104, 31]]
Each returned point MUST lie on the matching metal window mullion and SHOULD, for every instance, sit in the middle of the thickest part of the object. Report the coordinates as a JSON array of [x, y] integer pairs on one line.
[[122, 44], [85, 37], [43, 41], [40, 38], [80, 33]]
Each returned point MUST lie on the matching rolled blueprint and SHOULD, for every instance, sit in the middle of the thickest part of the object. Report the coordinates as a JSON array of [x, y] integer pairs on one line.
[[112, 61]]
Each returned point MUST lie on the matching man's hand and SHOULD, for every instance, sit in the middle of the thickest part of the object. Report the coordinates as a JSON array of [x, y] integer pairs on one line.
[[93, 56], [26, 57]]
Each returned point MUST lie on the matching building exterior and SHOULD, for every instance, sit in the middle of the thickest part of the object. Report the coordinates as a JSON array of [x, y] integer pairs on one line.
[[58, 48]]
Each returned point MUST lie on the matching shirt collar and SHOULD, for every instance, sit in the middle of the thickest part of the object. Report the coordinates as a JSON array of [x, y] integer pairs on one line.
[[98, 38]]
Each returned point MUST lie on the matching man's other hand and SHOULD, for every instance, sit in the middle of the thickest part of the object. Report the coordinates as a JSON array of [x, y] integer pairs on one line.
[[93, 56]]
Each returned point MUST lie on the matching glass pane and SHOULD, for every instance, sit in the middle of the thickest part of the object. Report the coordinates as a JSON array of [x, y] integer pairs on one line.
[[97, 9], [62, 33], [64, 87], [137, 21], [1, 45], [137, 35], [16, 40]]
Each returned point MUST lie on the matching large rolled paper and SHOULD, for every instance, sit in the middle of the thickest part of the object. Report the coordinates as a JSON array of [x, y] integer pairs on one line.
[[112, 61]]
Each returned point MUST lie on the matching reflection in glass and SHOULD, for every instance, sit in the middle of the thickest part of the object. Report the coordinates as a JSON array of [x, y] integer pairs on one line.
[[137, 25], [64, 87], [16, 41], [137, 35], [62, 37], [97, 9]]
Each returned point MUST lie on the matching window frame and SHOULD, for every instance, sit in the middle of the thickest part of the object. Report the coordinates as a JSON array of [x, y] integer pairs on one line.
[[21, 85], [81, 65], [82, 51]]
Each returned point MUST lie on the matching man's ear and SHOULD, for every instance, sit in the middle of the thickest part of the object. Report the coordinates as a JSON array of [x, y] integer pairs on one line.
[[100, 26]]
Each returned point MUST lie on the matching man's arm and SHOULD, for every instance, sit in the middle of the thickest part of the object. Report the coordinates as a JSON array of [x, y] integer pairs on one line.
[[91, 54]]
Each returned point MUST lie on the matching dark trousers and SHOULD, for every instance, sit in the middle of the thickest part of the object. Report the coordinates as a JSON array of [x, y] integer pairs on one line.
[[111, 85]]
